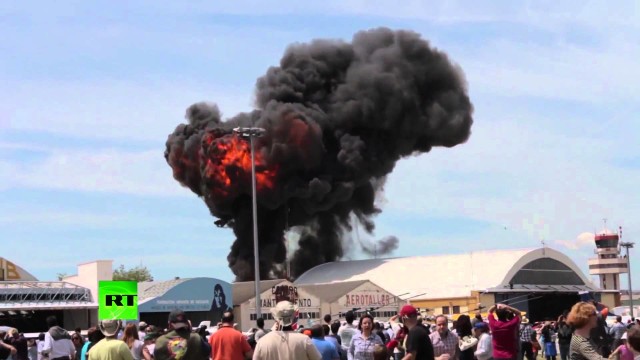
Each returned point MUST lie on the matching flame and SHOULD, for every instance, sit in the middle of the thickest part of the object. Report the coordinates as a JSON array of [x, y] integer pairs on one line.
[[228, 162]]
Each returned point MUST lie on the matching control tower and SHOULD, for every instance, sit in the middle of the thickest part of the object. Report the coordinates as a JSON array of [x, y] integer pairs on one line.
[[608, 264]]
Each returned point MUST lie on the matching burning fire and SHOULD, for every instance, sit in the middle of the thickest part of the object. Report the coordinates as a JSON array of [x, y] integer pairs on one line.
[[227, 162]]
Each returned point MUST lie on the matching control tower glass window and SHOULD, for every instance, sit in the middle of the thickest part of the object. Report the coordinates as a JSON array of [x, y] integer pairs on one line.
[[606, 243]]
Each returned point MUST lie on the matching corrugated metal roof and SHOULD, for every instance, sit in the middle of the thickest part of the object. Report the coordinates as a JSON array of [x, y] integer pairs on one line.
[[243, 291], [151, 289], [331, 292], [438, 276]]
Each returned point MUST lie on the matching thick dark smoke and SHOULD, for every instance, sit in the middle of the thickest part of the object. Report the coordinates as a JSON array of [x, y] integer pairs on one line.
[[338, 116], [383, 246]]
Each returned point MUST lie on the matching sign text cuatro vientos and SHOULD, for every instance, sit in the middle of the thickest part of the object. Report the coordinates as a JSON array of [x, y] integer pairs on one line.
[[285, 292]]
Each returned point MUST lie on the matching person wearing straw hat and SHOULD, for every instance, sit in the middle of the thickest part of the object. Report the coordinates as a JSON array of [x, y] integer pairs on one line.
[[526, 348], [284, 343], [110, 348]]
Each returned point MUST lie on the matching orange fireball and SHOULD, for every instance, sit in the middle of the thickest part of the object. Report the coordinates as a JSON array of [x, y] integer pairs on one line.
[[227, 162]]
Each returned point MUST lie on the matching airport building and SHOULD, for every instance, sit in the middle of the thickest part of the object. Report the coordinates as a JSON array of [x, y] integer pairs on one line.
[[26, 302], [540, 282], [313, 300]]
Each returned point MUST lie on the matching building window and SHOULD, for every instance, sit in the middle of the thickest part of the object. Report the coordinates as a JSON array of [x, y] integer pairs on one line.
[[445, 310], [254, 317], [456, 309]]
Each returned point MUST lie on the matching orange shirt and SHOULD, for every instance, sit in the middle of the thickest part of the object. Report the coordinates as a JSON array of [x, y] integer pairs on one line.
[[228, 343]]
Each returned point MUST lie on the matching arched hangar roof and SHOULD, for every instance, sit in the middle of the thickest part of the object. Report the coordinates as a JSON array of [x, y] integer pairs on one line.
[[451, 276]]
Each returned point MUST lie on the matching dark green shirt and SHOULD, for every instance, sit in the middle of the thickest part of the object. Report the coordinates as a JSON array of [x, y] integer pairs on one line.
[[182, 345]]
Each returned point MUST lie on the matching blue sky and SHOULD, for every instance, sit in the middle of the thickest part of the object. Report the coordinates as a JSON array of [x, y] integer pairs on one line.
[[90, 91]]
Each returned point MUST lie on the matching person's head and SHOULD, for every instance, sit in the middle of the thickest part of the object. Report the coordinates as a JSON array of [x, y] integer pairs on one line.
[[178, 320], [335, 326], [326, 329], [479, 316], [41, 337], [285, 314], [76, 339], [442, 324], [380, 353], [227, 317], [14, 333], [502, 314], [463, 325], [94, 335], [633, 337], [480, 328], [583, 316], [260, 323], [151, 336], [317, 331], [409, 315], [130, 334], [366, 324], [142, 326], [619, 319], [327, 318], [110, 328], [350, 317], [52, 321]]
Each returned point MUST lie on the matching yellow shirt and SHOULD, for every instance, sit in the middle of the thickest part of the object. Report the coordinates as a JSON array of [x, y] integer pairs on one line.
[[110, 349]]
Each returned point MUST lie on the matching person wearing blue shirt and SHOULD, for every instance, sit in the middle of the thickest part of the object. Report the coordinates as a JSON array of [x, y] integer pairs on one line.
[[326, 348]]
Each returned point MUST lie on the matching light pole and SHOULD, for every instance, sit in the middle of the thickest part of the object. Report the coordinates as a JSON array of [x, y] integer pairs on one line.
[[250, 133], [628, 245]]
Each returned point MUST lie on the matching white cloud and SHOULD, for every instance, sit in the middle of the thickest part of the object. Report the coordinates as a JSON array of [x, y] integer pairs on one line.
[[585, 239], [59, 218], [540, 182], [603, 74], [124, 111], [102, 170]]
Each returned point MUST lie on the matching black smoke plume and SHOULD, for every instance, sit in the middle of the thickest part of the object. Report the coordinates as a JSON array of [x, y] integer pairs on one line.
[[338, 116]]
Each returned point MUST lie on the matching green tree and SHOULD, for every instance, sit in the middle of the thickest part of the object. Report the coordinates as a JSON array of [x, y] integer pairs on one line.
[[139, 273], [61, 276]]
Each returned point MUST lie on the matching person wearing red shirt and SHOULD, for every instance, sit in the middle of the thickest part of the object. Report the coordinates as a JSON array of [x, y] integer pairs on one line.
[[504, 331], [228, 343]]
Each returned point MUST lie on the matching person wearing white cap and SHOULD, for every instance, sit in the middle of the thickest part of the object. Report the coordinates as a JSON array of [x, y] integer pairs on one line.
[[284, 343], [142, 330], [110, 348]]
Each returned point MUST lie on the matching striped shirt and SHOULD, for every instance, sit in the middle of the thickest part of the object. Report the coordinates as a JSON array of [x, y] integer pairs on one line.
[[583, 349], [361, 348], [445, 345]]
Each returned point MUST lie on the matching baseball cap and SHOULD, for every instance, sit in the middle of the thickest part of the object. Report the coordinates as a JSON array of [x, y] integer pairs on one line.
[[178, 319], [481, 325], [408, 310]]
